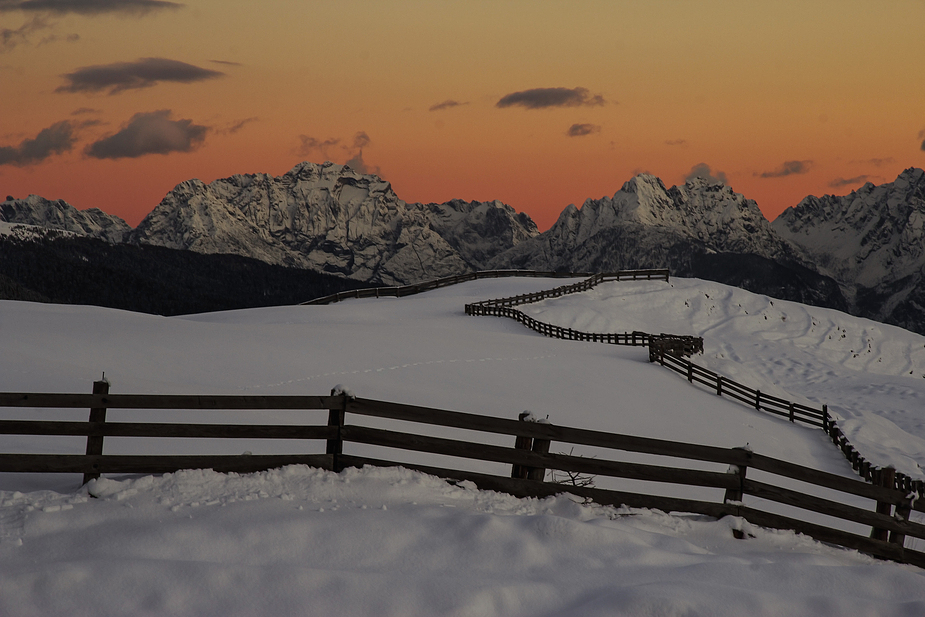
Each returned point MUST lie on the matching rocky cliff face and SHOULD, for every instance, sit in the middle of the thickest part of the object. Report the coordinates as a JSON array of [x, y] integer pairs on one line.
[[332, 219], [872, 242], [863, 253], [699, 229], [58, 214]]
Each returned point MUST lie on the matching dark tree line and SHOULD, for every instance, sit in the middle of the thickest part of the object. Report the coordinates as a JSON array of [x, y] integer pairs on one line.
[[151, 279]]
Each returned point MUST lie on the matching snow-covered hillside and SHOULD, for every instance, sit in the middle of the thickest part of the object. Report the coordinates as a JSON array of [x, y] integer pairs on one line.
[[392, 542]]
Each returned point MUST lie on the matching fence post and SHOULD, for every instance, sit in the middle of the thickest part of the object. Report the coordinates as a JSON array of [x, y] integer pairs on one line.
[[902, 514], [335, 445], [734, 496], [791, 412], [690, 372], [884, 478], [758, 399], [522, 443], [826, 422], [719, 385], [540, 446], [97, 418]]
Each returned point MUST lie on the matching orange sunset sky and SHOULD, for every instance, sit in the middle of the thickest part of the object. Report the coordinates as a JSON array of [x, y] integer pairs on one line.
[[110, 103]]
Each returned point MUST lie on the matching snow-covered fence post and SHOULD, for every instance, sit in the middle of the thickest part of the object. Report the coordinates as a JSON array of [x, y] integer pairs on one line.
[[522, 443], [540, 446], [97, 418], [885, 478], [335, 445]]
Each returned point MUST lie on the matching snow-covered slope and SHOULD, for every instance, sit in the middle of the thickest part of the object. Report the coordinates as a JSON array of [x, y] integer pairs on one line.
[[872, 241], [43, 213], [393, 542], [331, 219]]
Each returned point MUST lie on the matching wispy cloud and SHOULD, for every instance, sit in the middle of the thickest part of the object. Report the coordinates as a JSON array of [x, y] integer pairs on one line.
[[312, 145], [838, 183], [542, 98], [56, 139], [580, 130], [149, 133], [10, 38], [89, 7], [226, 62], [143, 73], [353, 150], [676, 142], [788, 168], [702, 170], [922, 137], [880, 162], [447, 104], [237, 126]]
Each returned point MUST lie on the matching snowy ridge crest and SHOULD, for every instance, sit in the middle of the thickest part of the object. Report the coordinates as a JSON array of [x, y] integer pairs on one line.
[[58, 214]]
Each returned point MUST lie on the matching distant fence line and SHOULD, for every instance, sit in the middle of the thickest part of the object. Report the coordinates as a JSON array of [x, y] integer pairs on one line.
[[416, 288], [669, 351], [529, 458]]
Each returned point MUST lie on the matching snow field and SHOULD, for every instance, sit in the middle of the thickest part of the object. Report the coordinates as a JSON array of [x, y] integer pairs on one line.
[[305, 541]]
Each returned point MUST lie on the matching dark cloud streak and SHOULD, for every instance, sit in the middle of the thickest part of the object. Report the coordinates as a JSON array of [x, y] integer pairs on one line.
[[580, 130], [143, 73], [542, 98], [838, 183], [788, 168], [447, 104], [89, 7], [237, 126], [149, 133], [56, 139]]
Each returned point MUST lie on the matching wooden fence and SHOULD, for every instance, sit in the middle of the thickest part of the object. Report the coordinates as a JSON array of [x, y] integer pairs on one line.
[[889, 519], [669, 351], [503, 307], [416, 288]]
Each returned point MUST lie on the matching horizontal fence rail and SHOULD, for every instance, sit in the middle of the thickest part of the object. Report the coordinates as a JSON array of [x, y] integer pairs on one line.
[[528, 455], [503, 307], [669, 351], [416, 288]]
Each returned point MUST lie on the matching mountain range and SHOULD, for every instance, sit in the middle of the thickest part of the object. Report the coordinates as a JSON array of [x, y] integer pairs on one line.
[[863, 253]]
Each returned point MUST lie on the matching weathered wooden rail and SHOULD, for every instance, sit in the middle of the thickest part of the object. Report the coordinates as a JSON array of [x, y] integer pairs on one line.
[[888, 518], [416, 288], [503, 307], [669, 351]]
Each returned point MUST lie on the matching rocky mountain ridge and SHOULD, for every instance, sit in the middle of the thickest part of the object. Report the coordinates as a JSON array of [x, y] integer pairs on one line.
[[332, 219], [863, 253], [58, 214], [872, 241]]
